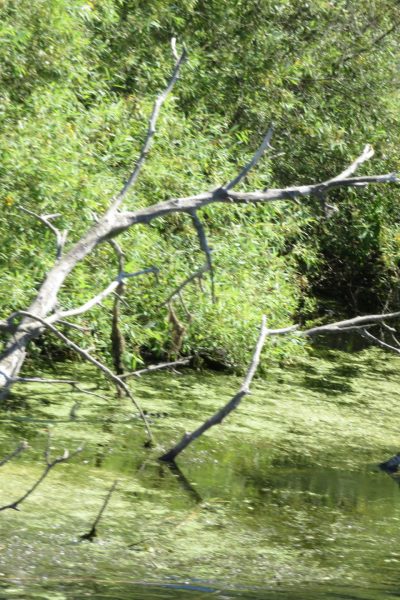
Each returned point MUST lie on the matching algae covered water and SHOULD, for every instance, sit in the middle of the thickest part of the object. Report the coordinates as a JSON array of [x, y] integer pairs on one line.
[[283, 501]]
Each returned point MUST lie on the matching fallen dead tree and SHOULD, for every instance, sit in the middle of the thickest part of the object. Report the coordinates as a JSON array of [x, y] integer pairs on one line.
[[44, 312]]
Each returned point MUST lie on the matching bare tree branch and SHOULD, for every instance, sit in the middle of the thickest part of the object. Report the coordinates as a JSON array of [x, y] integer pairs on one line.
[[89, 392], [74, 326], [256, 157], [192, 203], [188, 314], [113, 222], [61, 236], [93, 530], [349, 324], [358, 323], [152, 368], [22, 446], [223, 412], [116, 202], [173, 48], [196, 275], [198, 225], [114, 378], [73, 413], [56, 317], [120, 255], [50, 464], [368, 335], [388, 327], [367, 153]]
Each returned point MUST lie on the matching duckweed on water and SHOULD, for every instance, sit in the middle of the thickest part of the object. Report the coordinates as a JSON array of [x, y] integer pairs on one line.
[[284, 493]]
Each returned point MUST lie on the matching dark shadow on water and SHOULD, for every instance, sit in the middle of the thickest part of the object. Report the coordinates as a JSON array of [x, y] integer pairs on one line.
[[329, 385], [184, 482], [346, 371], [159, 475]]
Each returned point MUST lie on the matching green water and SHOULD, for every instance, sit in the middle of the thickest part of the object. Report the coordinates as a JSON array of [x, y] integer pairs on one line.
[[283, 501]]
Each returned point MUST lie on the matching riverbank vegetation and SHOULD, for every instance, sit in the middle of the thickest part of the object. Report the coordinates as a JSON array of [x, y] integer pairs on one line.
[[76, 90]]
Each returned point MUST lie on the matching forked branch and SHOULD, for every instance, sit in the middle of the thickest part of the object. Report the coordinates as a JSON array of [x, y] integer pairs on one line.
[[61, 236], [196, 275]]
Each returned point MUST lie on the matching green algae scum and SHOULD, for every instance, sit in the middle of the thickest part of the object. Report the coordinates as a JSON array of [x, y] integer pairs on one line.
[[282, 501]]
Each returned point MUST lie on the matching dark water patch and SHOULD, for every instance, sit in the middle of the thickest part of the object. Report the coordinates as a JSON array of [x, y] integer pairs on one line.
[[332, 385]]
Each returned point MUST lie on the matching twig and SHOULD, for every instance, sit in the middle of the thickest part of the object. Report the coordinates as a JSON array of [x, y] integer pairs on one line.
[[367, 153], [93, 531], [119, 253], [196, 275], [151, 368], [81, 328], [223, 412], [89, 392], [55, 317], [50, 464], [388, 327], [151, 128], [188, 314], [114, 378], [366, 334], [258, 154], [198, 225], [61, 236], [74, 410], [22, 446]]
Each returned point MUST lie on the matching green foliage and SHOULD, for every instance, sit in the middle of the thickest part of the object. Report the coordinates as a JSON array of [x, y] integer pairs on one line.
[[77, 84]]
